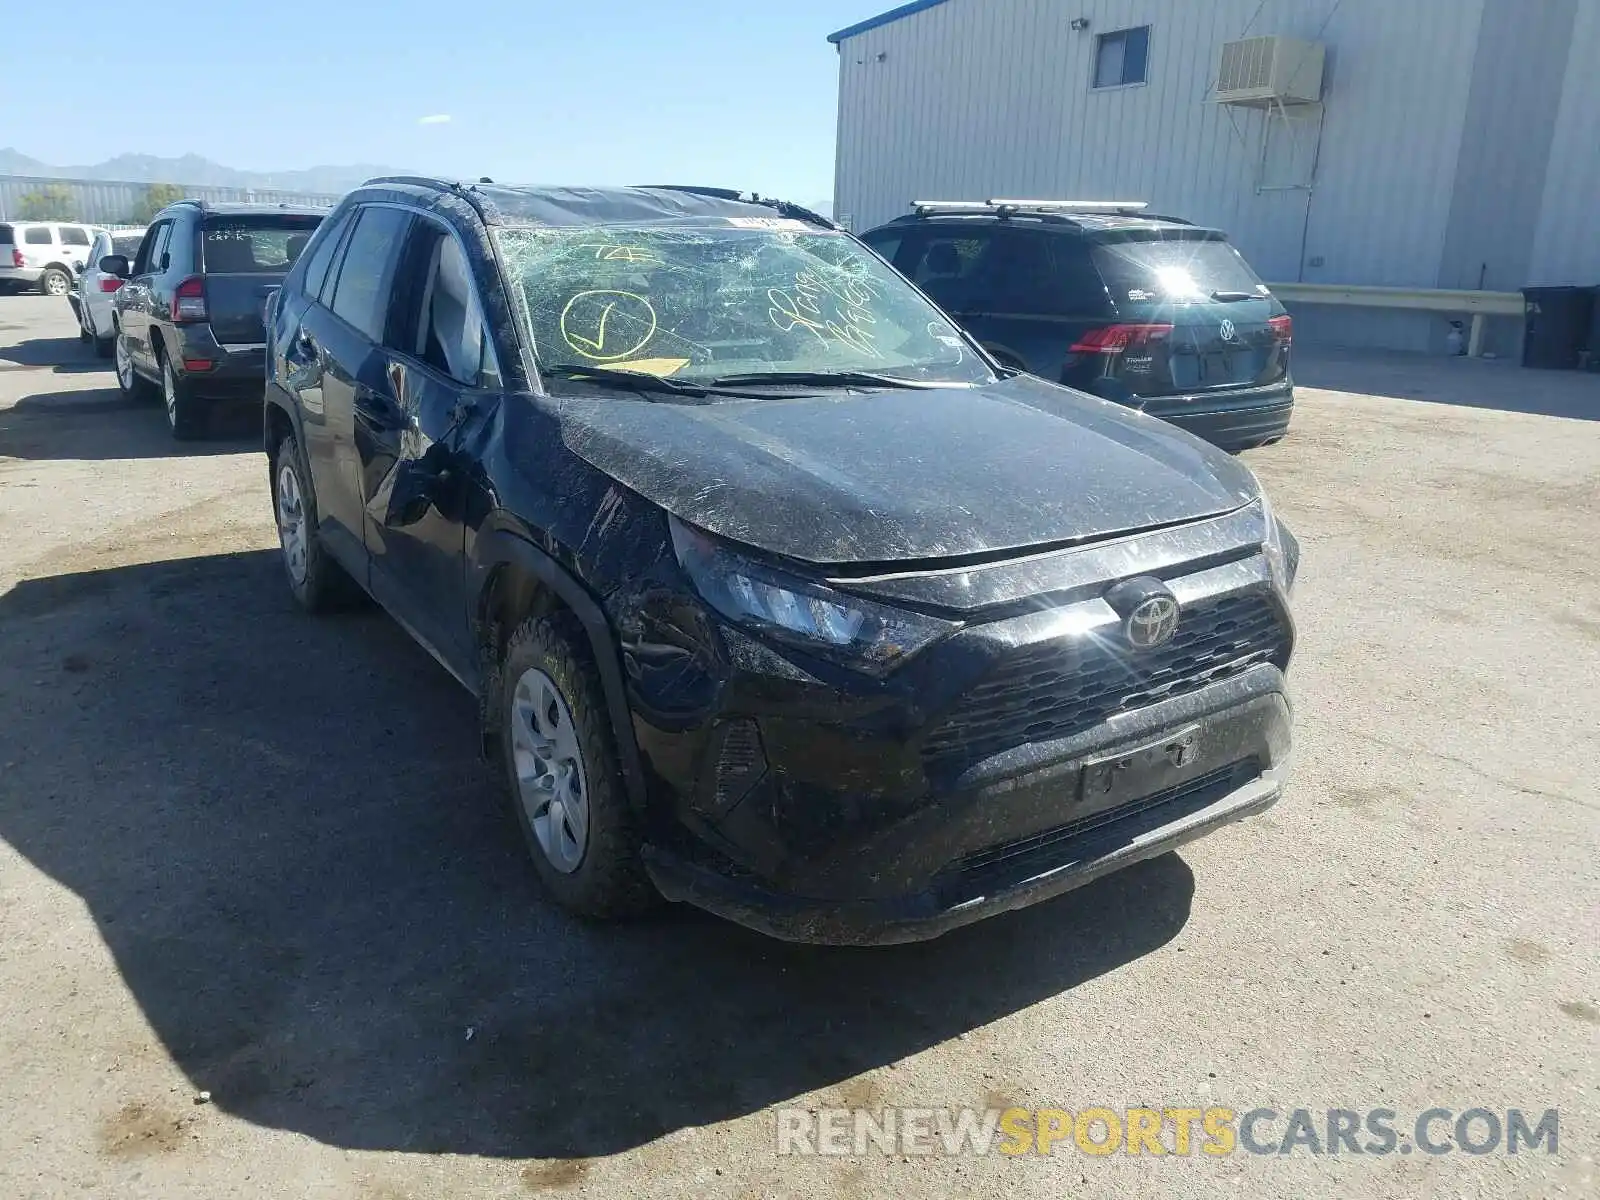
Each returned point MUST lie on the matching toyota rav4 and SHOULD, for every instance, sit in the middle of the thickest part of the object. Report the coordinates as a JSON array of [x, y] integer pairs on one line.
[[778, 595]]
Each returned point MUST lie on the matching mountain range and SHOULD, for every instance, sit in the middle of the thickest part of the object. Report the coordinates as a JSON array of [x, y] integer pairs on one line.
[[195, 170], [198, 171]]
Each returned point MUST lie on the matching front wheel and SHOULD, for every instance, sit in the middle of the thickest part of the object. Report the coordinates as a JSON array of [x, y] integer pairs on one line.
[[561, 770], [129, 382]]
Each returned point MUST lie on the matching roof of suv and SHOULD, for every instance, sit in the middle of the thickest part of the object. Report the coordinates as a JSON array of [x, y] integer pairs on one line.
[[1070, 222], [500, 204], [241, 208]]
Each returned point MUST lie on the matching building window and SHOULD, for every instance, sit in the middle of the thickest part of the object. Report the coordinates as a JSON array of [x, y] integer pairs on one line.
[[1120, 57]]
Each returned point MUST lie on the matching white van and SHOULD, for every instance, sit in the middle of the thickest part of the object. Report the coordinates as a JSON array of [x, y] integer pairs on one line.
[[44, 254]]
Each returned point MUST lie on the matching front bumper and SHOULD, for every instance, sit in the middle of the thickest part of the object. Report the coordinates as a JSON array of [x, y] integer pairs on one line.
[[817, 805], [1146, 833]]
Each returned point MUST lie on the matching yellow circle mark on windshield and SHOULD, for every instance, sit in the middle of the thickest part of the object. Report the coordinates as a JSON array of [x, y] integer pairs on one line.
[[608, 326]]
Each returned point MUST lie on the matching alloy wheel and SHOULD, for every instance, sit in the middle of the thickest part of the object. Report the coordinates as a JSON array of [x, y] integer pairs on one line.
[[169, 392], [552, 785], [292, 531], [124, 364]]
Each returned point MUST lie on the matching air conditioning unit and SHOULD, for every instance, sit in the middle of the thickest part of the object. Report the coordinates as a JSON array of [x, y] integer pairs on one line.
[[1261, 71]]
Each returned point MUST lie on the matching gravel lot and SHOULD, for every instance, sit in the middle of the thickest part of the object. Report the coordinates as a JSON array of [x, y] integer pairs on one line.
[[248, 852]]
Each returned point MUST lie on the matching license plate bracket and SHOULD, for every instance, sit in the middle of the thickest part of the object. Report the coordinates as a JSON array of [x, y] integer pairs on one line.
[[1113, 780]]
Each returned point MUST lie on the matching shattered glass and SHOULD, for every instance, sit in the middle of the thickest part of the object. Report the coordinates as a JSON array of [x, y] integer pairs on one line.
[[747, 296]]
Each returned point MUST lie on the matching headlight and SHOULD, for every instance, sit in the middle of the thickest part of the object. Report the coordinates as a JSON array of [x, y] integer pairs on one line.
[[847, 629], [1281, 548]]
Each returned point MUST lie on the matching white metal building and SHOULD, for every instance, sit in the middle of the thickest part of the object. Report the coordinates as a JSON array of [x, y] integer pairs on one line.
[[1422, 143]]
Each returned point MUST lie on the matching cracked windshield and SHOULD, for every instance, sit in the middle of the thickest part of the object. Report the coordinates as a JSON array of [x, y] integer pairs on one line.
[[704, 303]]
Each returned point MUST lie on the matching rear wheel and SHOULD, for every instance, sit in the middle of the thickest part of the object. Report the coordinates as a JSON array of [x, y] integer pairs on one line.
[[186, 416], [55, 282], [562, 774], [318, 583]]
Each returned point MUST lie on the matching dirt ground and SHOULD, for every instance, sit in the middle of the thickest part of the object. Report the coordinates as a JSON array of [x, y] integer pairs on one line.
[[250, 853]]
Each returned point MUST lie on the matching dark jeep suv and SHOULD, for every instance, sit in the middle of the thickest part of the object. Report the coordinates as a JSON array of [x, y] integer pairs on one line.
[[778, 596], [189, 318], [1151, 312]]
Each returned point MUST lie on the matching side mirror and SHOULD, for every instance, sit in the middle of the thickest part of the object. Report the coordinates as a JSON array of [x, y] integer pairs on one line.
[[115, 264]]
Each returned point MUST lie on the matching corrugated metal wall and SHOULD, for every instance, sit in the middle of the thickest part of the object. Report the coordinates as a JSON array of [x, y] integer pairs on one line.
[[100, 202], [977, 98], [1566, 248]]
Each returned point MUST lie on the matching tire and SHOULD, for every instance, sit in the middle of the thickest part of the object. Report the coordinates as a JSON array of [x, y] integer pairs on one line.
[[558, 750], [55, 282], [319, 584], [129, 382], [186, 415]]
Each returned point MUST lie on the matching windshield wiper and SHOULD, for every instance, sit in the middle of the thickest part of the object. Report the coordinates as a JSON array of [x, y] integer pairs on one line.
[[642, 381], [828, 379], [1225, 295]]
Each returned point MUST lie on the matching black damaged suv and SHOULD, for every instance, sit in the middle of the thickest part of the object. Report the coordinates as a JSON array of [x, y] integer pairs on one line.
[[778, 594]]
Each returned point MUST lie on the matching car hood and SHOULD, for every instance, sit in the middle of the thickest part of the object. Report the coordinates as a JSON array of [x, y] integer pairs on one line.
[[895, 475]]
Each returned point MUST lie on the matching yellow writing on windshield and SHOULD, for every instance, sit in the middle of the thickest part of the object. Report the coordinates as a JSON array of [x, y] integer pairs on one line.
[[607, 326]]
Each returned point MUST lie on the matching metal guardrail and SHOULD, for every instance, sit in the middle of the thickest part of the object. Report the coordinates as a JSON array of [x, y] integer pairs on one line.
[[1478, 305]]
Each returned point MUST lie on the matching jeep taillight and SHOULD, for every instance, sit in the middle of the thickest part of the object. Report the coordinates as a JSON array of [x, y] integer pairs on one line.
[[16, 257], [1114, 339], [189, 301]]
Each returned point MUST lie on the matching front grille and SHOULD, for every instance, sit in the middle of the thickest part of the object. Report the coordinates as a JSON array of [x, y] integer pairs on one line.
[[1055, 689]]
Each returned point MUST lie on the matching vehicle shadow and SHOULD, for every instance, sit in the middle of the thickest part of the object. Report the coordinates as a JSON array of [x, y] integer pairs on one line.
[[1464, 382], [102, 423], [56, 353], [281, 826]]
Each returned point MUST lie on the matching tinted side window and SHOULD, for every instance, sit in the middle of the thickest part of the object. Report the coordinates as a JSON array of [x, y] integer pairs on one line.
[[155, 241], [39, 235], [72, 235], [885, 242], [361, 294], [441, 323], [942, 263], [321, 254]]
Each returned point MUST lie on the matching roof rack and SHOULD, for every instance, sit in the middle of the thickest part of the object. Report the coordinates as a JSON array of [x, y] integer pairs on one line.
[[1005, 208]]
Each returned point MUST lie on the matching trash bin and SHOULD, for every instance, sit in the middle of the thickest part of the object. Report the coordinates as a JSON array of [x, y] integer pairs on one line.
[[1557, 326]]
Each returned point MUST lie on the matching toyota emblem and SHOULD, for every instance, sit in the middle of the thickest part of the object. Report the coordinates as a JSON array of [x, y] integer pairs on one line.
[[1148, 609], [1226, 330], [1153, 623]]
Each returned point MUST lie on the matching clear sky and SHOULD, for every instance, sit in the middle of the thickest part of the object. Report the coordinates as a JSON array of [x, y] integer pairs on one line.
[[739, 93]]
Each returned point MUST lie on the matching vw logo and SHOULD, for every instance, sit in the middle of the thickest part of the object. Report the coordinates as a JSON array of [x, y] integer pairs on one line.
[[1153, 623], [1226, 330]]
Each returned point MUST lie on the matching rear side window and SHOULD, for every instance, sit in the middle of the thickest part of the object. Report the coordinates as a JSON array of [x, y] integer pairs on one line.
[[71, 235], [6, 234], [267, 245], [125, 244], [1008, 271], [327, 242], [39, 235], [1174, 268], [361, 294]]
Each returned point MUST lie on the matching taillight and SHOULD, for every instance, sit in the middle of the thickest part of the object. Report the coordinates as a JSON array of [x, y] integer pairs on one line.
[[109, 283], [189, 301], [1114, 339], [16, 257], [1282, 329]]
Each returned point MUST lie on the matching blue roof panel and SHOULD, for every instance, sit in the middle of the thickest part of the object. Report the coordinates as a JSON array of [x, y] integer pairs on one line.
[[905, 10]]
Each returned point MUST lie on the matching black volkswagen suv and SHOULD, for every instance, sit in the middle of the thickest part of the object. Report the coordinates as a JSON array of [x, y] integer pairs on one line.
[[778, 595], [1149, 311]]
